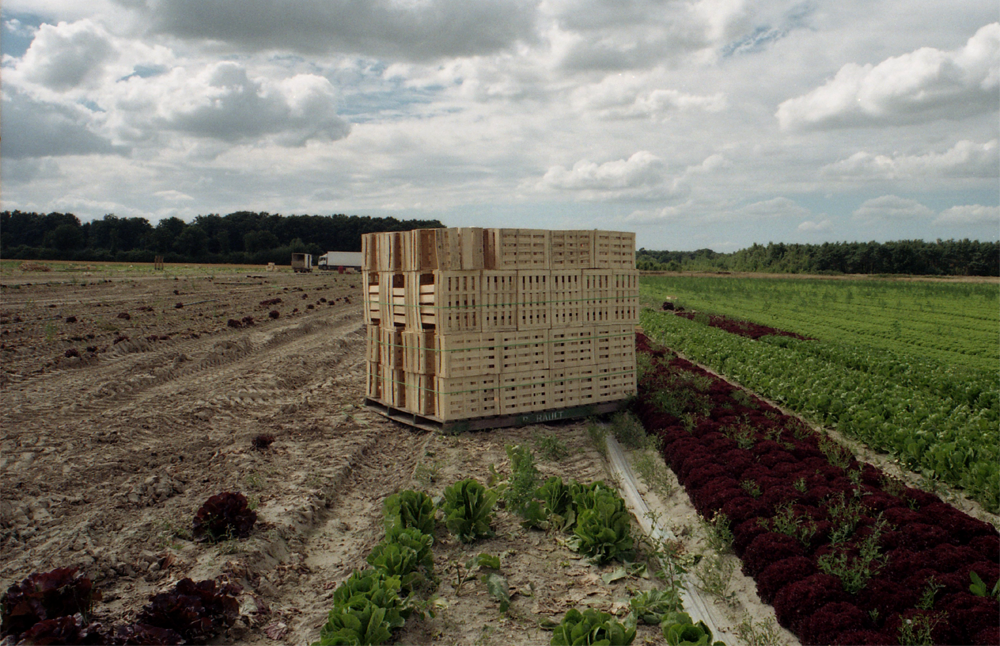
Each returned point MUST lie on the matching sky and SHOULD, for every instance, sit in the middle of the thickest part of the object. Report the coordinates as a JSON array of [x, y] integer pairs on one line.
[[694, 123]]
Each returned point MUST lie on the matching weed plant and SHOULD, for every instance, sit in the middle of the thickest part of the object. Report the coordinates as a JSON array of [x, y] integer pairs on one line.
[[628, 430]]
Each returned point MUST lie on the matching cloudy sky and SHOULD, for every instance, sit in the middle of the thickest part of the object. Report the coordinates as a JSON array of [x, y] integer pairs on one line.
[[695, 123]]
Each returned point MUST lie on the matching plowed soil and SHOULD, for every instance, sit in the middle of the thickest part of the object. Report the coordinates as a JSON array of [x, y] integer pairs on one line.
[[129, 399]]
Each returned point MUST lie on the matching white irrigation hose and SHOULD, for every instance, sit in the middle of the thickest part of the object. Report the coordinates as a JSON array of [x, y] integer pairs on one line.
[[694, 604]]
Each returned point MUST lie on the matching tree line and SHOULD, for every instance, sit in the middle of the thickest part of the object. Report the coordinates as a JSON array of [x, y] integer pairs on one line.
[[243, 237], [914, 257]]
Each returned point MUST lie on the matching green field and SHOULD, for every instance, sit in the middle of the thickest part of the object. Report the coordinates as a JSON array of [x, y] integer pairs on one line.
[[909, 368]]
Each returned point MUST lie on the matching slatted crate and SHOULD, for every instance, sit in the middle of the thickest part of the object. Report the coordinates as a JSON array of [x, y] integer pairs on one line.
[[466, 397], [418, 305], [390, 251], [390, 348], [585, 386], [523, 392], [613, 382], [466, 354], [390, 298], [517, 248], [392, 386], [563, 388], [419, 355], [420, 250], [571, 249], [613, 250], [534, 299], [370, 294], [374, 380], [455, 302], [499, 300], [369, 252], [566, 294], [571, 347], [460, 249], [523, 351], [624, 304], [614, 344], [420, 395], [372, 343], [597, 294]]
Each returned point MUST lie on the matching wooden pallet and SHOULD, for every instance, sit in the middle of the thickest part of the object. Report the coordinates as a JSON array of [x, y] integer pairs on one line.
[[435, 423]]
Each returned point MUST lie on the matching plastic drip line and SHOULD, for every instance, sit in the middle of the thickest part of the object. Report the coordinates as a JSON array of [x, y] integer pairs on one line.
[[698, 608]]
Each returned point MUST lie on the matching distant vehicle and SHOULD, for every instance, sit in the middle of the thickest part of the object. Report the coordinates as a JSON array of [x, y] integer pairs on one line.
[[302, 262], [341, 260]]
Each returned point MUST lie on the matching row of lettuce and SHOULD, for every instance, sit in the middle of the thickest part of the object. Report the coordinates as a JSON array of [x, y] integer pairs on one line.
[[953, 324], [844, 553], [399, 583], [936, 422]]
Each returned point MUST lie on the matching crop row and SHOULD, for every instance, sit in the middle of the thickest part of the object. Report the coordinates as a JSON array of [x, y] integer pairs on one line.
[[945, 430], [953, 323], [845, 554]]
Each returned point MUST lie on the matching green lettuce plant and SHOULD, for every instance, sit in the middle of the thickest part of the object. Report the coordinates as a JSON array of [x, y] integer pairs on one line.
[[592, 628], [468, 510], [409, 509]]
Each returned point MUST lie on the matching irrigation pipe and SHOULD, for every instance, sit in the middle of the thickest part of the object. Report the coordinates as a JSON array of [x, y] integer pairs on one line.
[[697, 607]]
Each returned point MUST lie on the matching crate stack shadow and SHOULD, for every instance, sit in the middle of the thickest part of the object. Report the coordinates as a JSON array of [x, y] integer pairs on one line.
[[473, 323]]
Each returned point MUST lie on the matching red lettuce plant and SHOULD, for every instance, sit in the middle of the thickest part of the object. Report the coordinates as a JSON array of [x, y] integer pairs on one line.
[[223, 516], [197, 611], [146, 635], [48, 595], [69, 629]]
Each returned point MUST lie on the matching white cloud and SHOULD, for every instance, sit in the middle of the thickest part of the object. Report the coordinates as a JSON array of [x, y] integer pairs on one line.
[[657, 216], [891, 208], [778, 207], [823, 226], [917, 87], [964, 159], [710, 164], [641, 176], [66, 56], [631, 97], [417, 30], [969, 215], [33, 128]]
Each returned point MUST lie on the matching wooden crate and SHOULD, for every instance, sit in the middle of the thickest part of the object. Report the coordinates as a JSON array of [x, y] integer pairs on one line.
[[624, 302], [571, 347], [571, 250], [466, 354], [466, 397], [420, 396], [420, 250], [523, 351], [419, 355], [613, 382], [390, 344], [517, 248], [566, 294], [523, 392], [418, 304], [390, 298], [369, 252], [455, 301], [613, 250], [392, 386], [614, 344], [597, 293], [499, 300], [460, 249], [370, 294], [373, 380], [390, 251], [564, 387], [534, 306], [372, 343]]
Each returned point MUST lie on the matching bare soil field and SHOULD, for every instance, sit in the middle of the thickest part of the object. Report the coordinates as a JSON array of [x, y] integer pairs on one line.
[[128, 399]]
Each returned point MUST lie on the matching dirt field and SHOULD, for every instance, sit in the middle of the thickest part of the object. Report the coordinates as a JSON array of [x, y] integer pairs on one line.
[[130, 398]]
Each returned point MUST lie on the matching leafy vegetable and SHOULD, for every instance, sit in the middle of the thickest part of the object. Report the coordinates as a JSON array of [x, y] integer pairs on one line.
[[592, 628], [468, 510], [63, 630], [405, 554], [523, 477], [198, 611], [366, 608], [652, 605], [498, 588], [409, 509], [145, 634], [679, 630], [604, 529], [225, 515], [47, 595]]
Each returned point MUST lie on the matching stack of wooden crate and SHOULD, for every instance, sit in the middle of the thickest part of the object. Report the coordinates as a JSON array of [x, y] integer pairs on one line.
[[470, 322]]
